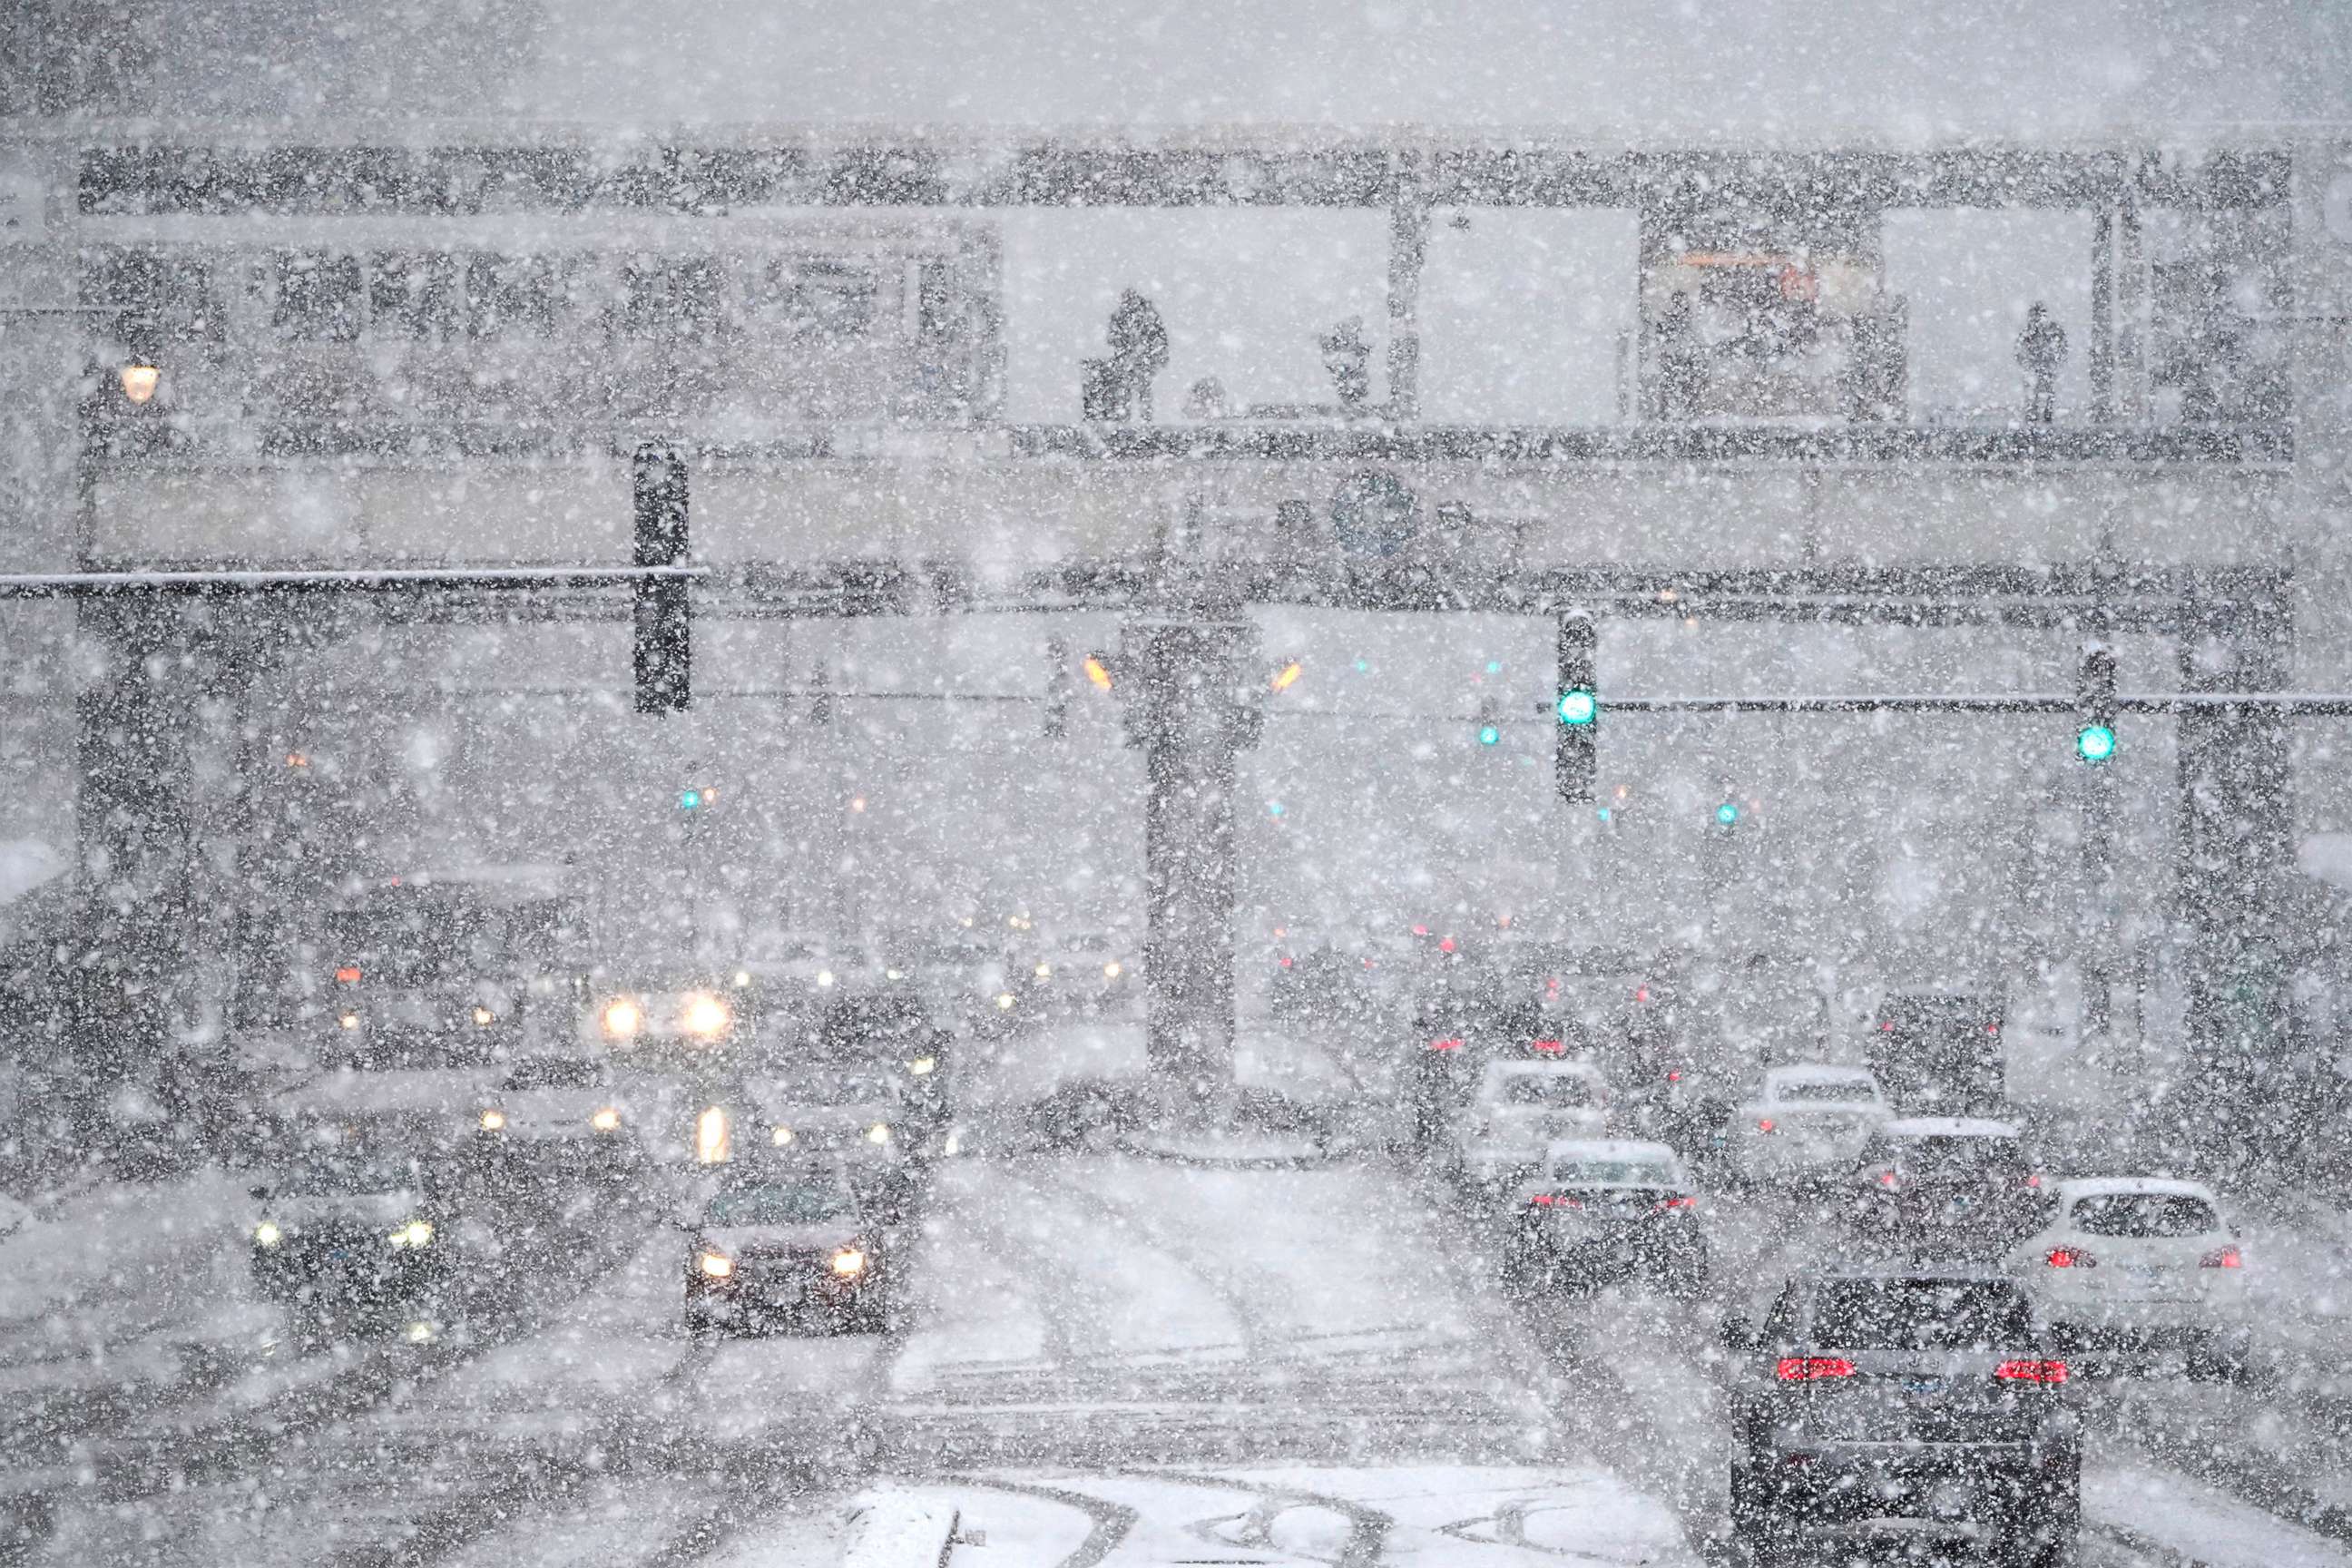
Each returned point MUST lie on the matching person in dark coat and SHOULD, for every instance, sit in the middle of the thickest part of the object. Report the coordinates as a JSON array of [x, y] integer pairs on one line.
[[2041, 349]]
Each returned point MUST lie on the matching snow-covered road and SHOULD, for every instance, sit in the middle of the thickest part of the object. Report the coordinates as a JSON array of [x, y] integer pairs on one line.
[[1110, 1359]]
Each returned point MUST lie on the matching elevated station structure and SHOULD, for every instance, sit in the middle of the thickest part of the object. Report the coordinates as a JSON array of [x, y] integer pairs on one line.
[[1699, 368]]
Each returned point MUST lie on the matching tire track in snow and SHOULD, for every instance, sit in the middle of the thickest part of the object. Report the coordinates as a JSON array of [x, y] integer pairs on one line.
[[1367, 1527], [1108, 1522]]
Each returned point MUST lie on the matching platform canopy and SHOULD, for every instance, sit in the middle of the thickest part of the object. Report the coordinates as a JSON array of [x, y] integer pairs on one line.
[[1753, 72]]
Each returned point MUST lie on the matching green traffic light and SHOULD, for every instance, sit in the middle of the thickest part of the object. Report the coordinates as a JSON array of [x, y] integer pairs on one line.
[[1490, 734], [2094, 743], [689, 800], [1578, 706], [1726, 814]]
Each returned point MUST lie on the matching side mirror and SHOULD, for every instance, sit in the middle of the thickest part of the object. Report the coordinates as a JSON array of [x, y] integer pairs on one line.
[[1735, 1333]]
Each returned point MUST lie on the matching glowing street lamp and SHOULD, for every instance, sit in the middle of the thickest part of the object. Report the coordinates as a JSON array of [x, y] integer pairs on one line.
[[140, 380]]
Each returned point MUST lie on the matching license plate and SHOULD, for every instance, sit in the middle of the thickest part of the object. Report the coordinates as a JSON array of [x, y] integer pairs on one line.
[[1924, 1386]]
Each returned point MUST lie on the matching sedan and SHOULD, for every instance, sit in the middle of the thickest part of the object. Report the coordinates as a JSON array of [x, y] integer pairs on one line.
[[1805, 1123], [2140, 1262], [789, 1245], [1606, 1210]]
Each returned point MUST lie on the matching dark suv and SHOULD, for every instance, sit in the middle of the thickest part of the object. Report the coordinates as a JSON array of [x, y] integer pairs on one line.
[[1924, 1396]]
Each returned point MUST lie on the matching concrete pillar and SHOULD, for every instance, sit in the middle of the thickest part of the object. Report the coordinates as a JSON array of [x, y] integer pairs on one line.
[[1185, 710]]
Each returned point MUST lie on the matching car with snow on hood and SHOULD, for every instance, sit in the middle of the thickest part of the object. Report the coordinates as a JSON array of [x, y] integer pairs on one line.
[[791, 1244]]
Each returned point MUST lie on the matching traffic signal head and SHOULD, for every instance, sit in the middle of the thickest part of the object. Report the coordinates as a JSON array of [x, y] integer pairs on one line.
[[663, 646], [1728, 814], [1490, 733], [2095, 704], [1575, 738]]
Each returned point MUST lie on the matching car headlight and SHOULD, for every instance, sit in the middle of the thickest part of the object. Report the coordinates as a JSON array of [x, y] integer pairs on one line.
[[708, 1017], [1113, 969], [607, 1120], [420, 1334], [923, 1066], [717, 1264], [1004, 1000], [954, 1144], [849, 1263], [266, 1234], [349, 1020], [1044, 972], [742, 979], [823, 977], [494, 1120], [894, 974], [780, 1136], [484, 1017], [417, 1233], [710, 1140], [878, 1133], [622, 1018]]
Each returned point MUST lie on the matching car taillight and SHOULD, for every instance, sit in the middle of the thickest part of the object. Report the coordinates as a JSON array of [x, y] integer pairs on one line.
[[1888, 1179], [349, 974], [1445, 1045], [2224, 1257], [1556, 1200], [1684, 1202], [1763, 1124], [1547, 1048], [2070, 1258], [1675, 1077], [2034, 1180], [1811, 1368], [2030, 1372]]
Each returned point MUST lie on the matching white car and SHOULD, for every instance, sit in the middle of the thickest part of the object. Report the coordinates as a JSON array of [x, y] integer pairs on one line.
[[2139, 1261], [1806, 1120], [568, 1111], [1519, 1110]]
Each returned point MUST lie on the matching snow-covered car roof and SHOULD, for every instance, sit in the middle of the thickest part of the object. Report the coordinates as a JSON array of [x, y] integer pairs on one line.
[[1819, 1072], [1948, 1127], [1574, 1068], [1609, 1148], [2117, 1186]]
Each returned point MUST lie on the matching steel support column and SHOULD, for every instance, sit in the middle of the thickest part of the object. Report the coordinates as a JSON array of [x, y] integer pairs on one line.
[[2237, 856]]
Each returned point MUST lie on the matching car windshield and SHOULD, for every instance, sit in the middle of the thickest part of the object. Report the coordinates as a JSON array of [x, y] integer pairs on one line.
[[1545, 1092], [1805, 1090], [558, 1072], [339, 1174], [2145, 1215], [1920, 1315], [812, 1203], [1614, 1173]]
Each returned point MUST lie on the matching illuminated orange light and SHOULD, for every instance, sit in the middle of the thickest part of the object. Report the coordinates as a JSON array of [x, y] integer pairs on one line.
[[1288, 676], [1097, 671], [348, 974]]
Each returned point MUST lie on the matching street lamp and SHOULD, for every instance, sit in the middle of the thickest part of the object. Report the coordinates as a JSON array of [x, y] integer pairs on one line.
[[140, 380]]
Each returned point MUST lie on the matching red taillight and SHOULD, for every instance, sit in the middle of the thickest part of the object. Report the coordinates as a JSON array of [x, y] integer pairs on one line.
[[2070, 1258], [2227, 1257], [1685, 1202], [1808, 1368], [1888, 1179], [1452, 1044], [1675, 1077], [1284, 961], [1556, 1200], [349, 974], [1547, 1048], [1764, 1124], [2034, 1180], [2030, 1372]]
